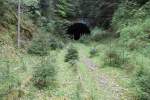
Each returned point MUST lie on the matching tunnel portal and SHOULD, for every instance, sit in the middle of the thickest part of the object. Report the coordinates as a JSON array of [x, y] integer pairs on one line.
[[76, 30]]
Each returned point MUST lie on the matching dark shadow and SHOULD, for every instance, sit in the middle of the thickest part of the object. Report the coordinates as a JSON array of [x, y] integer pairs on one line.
[[76, 30]]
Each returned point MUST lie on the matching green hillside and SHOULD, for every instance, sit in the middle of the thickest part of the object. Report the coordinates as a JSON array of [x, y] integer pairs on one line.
[[74, 50]]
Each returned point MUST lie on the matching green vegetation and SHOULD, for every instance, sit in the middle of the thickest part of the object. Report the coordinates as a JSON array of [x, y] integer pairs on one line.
[[112, 63], [99, 34], [8, 81], [114, 59], [93, 52], [142, 81], [45, 74], [39, 46], [72, 55]]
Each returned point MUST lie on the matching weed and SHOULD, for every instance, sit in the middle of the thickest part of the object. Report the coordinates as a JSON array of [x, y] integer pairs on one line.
[[114, 59]]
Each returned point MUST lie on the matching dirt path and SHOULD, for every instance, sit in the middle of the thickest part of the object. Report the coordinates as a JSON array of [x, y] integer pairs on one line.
[[88, 62], [106, 82]]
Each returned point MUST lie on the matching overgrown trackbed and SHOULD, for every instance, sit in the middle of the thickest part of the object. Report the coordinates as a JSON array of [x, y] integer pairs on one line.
[[92, 82], [107, 85]]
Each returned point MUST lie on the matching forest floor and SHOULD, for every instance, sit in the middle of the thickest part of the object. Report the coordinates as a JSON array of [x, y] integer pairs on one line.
[[108, 83], [92, 81]]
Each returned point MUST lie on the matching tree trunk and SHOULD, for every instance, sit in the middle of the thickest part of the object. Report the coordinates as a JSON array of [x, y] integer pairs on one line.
[[19, 22]]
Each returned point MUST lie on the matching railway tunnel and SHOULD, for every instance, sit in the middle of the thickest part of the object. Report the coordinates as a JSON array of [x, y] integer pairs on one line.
[[78, 29]]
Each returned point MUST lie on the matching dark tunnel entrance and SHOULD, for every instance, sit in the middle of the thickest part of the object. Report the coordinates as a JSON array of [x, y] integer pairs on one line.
[[76, 30]]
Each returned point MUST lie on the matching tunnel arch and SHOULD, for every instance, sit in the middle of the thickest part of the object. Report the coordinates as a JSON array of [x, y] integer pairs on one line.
[[76, 30]]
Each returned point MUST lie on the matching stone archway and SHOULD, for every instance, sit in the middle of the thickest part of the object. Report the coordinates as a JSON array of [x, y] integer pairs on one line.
[[76, 30]]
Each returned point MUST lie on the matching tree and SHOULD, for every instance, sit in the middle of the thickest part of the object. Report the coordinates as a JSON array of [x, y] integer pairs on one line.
[[19, 22], [99, 10], [3, 8], [44, 76], [140, 2], [47, 8], [67, 8], [72, 55]]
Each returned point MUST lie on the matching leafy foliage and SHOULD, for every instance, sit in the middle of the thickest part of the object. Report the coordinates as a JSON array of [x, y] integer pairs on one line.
[[129, 13], [100, 10], [131, 21], [114, 59], [93, 52], [142, 81], [39, 46], [72, 55], [43, 43], [44, 75], [2, 6], [65, 8], [85, 39], [54, 43], [99, 34], [8, 80]]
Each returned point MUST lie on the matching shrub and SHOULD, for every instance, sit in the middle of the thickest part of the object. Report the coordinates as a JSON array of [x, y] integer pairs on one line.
[[93, 52], [133, 44], [72, 55], [142, 81], [39, 46], [44, 75], [85, 39], [114, 59], [8, 80], [50, 27], [7, 83], [136, 36], [44, 42], [132, 21], [55, 43], [98, 34], [124, 14]]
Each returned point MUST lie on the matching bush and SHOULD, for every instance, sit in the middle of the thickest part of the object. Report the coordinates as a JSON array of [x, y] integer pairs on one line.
[[142, 81], [136, 36], [72, 55], [98, 34], [131, 20], [43, 43], [93, 52], [8, 81], [114, 59], [55, 43], [39, 46], [44, 75], [85, 39], [133, 44]]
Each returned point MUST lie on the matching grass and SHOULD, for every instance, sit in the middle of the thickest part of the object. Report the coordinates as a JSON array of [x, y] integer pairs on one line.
[[84, 84], [119, 75]]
